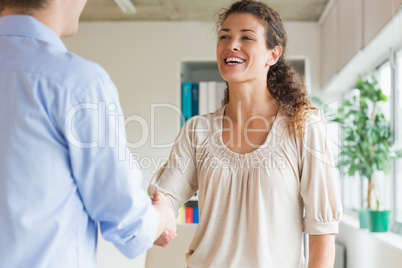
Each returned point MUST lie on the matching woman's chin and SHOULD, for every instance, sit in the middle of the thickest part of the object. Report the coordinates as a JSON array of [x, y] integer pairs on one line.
[[232, 78]]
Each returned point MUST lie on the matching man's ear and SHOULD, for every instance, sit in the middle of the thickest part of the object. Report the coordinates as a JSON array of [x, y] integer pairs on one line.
[[274, 55]]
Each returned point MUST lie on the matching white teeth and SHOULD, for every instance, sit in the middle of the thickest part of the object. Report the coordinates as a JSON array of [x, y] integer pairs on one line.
[[233, 59]]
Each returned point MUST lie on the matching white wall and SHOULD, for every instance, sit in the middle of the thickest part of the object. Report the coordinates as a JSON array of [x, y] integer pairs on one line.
[[369, 250], [305, 41], [351, 42]]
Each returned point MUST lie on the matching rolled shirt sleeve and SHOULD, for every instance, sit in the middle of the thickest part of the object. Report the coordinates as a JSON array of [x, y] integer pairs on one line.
[[319, 181]]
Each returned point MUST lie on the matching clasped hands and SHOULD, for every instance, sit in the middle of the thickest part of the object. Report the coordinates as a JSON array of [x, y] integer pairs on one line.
[[168, 219]]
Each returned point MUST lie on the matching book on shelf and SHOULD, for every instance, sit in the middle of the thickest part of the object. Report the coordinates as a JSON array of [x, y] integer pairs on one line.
[[201, 98], [189, 212], [186, 101], [219, 94], [211, 94], [182, 213], [194, 103], [196, 216], [189, 215]]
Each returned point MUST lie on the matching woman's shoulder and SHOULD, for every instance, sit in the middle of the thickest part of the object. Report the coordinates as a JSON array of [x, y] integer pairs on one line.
[[314, 128], [314, 122], [201, 128]]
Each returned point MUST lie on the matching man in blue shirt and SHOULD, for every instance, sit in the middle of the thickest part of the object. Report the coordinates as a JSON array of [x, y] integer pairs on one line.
[[64, 166]]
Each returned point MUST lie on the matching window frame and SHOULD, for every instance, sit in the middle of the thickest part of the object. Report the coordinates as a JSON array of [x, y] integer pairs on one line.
[[396, 225]]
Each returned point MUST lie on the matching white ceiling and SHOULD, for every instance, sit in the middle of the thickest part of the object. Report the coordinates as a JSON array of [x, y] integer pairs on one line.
[[204, 10]]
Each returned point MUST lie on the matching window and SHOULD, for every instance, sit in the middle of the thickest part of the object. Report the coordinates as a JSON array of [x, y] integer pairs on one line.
[[385, 83], [398, 138], [388, 186], [383, 181], [354, 189], [352, 193]]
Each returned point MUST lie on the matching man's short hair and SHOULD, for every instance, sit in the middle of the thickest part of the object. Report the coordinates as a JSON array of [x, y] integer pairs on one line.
[[23, 4]]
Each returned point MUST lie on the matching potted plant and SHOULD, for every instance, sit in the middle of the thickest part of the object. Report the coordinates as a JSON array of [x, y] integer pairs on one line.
[[366, 146]]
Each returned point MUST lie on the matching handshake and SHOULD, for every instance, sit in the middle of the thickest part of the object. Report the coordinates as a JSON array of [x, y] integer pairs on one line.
[[167, 220]]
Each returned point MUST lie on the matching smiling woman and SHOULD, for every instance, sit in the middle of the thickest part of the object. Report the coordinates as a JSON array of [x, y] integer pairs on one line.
[[261, 164], [283, 83]]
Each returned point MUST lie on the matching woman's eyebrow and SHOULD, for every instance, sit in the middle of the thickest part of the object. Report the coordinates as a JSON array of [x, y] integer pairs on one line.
[[242, 30], [247, 30]]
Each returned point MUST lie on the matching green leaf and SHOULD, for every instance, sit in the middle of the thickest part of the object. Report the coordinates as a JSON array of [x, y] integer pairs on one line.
[[347, 103]]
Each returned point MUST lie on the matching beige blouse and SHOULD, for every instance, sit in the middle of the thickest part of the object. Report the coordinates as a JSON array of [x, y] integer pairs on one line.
[[253, 207]]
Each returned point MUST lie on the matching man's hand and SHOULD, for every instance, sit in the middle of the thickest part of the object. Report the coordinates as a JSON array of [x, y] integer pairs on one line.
[[165, 238], [167, 220]]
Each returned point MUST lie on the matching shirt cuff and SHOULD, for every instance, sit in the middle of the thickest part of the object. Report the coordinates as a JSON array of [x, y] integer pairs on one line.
[[321, 228], [145, 237]]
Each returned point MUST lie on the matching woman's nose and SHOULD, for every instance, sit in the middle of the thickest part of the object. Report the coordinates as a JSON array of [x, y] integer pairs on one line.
[[233, 45]]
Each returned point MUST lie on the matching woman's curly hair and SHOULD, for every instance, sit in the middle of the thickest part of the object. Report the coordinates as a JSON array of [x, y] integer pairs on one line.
[[283, 82]]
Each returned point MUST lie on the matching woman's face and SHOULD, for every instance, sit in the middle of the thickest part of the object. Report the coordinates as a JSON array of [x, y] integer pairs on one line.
[[241, 51]]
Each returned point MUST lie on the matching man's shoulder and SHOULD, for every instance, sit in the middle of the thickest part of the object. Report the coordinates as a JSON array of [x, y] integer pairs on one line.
[[72, 67], [51, 65], [80, 76], [48, 60], [74, 73], [70, 73]]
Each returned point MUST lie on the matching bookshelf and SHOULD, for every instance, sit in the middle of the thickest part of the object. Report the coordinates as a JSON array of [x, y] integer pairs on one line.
[[202, 88], [197, 71], [194, 71]]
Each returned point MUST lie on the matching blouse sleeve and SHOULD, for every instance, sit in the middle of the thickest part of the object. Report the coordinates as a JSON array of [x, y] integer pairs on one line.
[[319, 181], [177, 178]]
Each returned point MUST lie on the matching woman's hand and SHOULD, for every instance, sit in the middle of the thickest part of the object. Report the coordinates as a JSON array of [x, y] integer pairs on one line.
[[167, 218]]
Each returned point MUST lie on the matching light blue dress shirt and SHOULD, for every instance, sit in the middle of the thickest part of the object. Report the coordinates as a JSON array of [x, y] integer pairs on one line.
[[64, 167]]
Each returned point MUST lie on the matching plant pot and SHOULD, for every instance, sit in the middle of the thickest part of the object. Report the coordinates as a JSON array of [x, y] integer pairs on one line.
[[377, 221], [363, 214]]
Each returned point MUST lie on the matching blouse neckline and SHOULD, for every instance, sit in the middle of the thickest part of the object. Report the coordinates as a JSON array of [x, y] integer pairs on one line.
[[220, 113]]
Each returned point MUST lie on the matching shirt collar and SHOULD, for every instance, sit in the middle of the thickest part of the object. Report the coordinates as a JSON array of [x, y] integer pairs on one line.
[[28, 26]]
